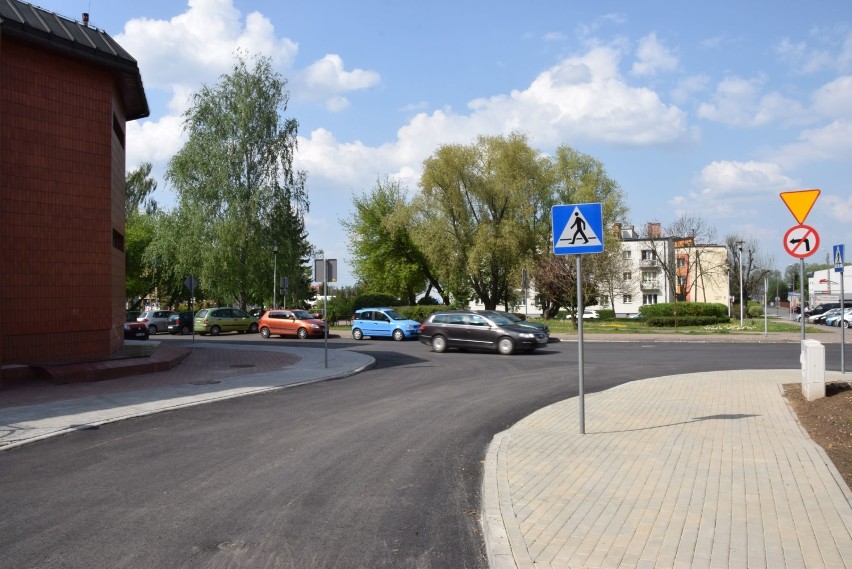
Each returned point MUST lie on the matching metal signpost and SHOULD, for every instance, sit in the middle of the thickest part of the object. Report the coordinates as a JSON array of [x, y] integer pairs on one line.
[[191, 283], [325, 271], [801, 240], [578, 230], [838, 268]]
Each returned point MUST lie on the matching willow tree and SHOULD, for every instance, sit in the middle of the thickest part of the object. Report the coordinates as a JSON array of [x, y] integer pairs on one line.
[[238, 195], [478, 212], [385, 258]]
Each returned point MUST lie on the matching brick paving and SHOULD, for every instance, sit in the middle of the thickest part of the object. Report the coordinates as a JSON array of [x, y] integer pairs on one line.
[[698, 470]]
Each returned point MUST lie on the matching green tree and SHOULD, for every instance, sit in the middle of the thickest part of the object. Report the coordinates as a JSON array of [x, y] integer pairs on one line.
[[238, 195], [139, 231], [384, 256], [477, 215], [577, 178]]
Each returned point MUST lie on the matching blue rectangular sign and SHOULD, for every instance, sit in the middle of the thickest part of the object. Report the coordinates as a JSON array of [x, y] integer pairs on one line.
[[838, 258], [577, 229]]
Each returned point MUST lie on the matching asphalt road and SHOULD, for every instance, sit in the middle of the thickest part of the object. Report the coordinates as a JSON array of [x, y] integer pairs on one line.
[[381, 469]]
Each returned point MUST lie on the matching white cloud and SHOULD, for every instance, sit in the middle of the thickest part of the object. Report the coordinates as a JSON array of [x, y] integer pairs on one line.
[[739, 102], [326, 78], [583, 98], [653, 57], [726, 189], [834, 99], [688, 86], [830, 142]]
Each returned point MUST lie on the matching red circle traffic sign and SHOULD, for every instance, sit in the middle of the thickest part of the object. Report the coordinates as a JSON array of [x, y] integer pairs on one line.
[[801, 241]]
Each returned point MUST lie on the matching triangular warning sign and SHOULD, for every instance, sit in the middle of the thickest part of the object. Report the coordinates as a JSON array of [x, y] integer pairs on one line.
[[800, 202], [577, 231]]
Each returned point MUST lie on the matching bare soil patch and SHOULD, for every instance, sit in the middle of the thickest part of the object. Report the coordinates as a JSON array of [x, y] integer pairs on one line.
[[828, 422]]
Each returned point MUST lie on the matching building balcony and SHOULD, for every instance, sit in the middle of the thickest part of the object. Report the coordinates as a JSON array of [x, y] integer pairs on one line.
[[649, 285], [647, 263]]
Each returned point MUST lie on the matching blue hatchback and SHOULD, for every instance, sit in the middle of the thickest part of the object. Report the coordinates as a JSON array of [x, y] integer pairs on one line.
[[377, 322]]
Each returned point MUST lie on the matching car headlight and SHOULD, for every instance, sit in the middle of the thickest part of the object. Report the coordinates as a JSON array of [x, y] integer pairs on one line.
[[315, 326], [525, 335]]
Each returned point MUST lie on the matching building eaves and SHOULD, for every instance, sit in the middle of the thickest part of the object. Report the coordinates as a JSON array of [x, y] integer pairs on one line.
[[51, 31]]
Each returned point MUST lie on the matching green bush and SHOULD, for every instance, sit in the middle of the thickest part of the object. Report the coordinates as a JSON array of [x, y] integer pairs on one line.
[[606, 314], [419, 312], [671, 321], [374, 301], [684, 309]]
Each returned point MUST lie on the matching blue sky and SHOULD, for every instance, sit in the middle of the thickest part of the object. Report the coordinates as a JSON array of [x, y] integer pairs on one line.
[[706, 109]]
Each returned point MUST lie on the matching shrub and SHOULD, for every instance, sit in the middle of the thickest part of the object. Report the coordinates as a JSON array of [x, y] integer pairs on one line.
[[374, 301], [606, 314], [684, 309], [670, 321]]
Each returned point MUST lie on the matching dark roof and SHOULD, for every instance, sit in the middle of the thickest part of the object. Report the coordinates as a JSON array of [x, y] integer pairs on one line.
[[60, 34]]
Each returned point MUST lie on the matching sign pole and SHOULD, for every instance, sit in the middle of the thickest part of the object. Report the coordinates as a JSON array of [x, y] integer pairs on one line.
[[839, 268], [580, 362], [802, 297], [765, 307]]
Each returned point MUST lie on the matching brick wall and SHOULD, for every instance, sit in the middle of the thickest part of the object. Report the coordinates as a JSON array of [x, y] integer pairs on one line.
[[61, 175]]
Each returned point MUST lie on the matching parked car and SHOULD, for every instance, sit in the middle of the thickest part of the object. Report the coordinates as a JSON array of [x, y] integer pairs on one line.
[[285, 322], [181, 323], [519, 321], [836, 319], [383, 322], [214, 321], [466, 329], [155, 320], [135, 331], [820, 317]]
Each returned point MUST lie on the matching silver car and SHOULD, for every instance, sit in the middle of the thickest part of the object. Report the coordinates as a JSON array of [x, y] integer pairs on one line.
[[155, 320]]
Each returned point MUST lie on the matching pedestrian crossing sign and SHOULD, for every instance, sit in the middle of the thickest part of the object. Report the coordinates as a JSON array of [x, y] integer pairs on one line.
[[577, 229]]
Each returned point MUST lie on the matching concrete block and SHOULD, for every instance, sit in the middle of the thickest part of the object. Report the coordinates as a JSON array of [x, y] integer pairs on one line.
[[813, 369]]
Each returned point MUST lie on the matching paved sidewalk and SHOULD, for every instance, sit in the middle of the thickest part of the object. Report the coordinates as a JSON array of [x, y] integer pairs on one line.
[[696, 470], [211, 371]]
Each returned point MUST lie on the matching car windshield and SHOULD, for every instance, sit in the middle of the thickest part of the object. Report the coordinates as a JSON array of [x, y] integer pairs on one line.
[[302, 314], [501, 320], [394, 315], [510, 316]]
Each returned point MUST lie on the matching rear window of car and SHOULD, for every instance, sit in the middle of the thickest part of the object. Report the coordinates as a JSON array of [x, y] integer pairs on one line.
[[201, 313]]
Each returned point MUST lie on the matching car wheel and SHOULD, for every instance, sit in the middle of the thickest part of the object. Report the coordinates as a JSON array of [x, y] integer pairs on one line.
[[215, 330], [264, 332], [357, 334], [152, 329], [185, 331], [505, 346], [398, 335], [302, 334], [439, 344], [252, 328]]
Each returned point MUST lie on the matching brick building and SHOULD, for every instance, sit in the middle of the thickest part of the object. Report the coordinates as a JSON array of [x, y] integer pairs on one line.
[[66, 93]]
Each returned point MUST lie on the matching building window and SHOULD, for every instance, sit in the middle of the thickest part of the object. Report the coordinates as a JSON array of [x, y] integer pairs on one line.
[[625, 254], [681, 281], [649, 299], [604, 300], [627, 299], [648, 255], [627, 276], [681, 262]]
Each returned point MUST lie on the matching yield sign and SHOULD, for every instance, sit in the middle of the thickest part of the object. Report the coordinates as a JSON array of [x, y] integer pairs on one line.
[[801, 241], [800, 202]]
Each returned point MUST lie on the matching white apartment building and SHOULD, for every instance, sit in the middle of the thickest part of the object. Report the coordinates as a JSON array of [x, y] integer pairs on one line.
[[644, 280]]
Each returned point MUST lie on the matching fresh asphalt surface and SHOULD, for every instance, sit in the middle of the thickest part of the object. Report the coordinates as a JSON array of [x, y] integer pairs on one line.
[[380, 469]]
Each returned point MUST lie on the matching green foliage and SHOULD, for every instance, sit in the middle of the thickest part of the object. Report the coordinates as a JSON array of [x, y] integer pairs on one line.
[[606, 314], [385, 257], [687, 320], [238, 195], [379, 300], [685, 309], [419, 312]]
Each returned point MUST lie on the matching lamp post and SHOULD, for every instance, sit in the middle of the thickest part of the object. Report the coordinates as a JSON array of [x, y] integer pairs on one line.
[[740, 249], [275, 277]]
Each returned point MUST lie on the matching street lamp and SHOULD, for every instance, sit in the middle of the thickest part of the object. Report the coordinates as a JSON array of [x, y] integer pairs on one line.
[[740, 249], [275, 276]]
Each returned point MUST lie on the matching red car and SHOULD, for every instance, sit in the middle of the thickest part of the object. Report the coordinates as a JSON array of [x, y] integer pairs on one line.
[[135, 331], [285, 322]]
